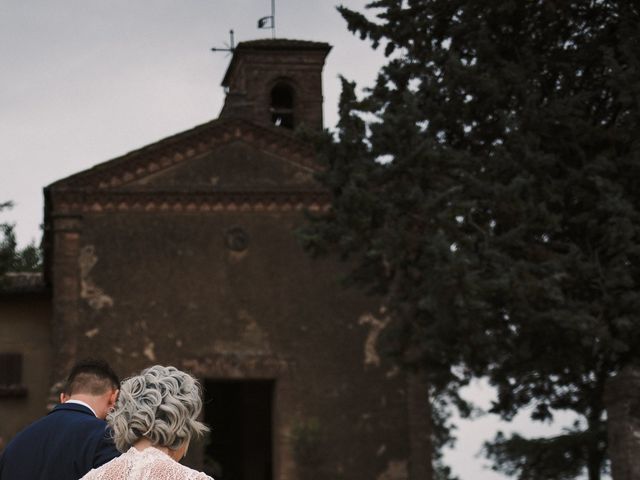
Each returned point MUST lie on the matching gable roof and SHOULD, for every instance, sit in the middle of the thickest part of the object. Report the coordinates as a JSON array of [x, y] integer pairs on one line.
[[125, 171], [134, 182]]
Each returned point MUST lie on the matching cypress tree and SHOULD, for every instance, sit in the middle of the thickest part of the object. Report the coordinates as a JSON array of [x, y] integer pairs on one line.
[[486, 188]]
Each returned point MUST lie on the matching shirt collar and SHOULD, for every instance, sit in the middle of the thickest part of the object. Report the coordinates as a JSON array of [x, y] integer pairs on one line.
[[84, 404]]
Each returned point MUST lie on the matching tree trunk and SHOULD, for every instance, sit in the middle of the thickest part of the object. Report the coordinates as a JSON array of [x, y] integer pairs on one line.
[[421, 427], [594, 464], [623, 413], [595, 452]]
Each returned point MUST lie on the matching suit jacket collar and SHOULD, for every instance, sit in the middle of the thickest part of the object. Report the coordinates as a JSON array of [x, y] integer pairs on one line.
[[73, 407]]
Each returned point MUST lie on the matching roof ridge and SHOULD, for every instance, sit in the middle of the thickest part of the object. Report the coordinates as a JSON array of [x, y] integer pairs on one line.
[[134, 159]]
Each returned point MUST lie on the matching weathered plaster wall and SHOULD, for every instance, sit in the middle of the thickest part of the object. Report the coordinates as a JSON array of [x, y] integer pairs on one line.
[[232, 295], [25, 329]]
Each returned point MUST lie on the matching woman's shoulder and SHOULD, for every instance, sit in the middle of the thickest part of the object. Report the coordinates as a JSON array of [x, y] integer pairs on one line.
[[114, 468], [149, 462], [165, 465]]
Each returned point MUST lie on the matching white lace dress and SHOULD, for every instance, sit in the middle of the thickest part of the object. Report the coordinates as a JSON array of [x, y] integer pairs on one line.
[[148, 464]]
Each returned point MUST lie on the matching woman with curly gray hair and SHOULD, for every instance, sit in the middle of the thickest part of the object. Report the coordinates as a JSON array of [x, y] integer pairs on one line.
[[154, 419]]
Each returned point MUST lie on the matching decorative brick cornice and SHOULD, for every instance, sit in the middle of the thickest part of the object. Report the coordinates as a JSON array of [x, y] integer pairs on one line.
[[270, 46], [173, 150], [81, 202]]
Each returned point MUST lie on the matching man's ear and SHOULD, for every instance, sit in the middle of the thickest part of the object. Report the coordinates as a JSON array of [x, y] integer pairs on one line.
[[113, 398], [63, 397]]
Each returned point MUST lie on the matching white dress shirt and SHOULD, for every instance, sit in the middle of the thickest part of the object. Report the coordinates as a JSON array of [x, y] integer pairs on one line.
[[84, 404]]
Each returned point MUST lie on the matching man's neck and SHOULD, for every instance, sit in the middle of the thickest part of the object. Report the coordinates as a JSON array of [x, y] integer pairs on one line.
[[83, 402]]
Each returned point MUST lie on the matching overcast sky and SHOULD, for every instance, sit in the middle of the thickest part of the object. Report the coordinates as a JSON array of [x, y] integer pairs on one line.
[[84, 81]]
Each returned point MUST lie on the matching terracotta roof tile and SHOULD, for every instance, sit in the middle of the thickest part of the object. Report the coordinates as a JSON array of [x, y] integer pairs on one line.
[[22, 282], [280, 43]]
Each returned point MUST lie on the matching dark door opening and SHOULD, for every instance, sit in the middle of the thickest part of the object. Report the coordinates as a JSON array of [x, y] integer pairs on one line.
[[239, 414]]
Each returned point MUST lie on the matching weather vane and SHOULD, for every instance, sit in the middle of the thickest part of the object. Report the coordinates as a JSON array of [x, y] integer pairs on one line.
[[269, 21]]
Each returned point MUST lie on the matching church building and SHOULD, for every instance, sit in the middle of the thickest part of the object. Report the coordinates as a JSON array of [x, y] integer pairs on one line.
[[184, 253]]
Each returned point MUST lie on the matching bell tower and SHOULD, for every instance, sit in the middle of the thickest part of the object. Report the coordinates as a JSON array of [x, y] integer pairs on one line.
[[276, 82]]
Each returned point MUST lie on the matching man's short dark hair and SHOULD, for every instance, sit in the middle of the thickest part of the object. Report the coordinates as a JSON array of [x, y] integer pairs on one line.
[[93, 377]]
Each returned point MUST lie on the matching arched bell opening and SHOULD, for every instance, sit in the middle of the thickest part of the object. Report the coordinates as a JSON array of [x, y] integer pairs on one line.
[[282, 105]]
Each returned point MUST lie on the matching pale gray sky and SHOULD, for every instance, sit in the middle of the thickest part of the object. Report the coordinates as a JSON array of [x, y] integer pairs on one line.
[[84, 81]]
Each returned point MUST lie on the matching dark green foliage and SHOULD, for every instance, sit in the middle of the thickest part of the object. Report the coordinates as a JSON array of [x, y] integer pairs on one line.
[[559, 255], [28, 259], [13, 259], [486, 187], [538, 458]]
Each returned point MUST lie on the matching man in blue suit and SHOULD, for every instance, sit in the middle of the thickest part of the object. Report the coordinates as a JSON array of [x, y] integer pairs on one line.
[[73, 438]]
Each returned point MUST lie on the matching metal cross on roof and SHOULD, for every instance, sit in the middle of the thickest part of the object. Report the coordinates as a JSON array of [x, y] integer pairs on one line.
[[230, 47], [265, 22]]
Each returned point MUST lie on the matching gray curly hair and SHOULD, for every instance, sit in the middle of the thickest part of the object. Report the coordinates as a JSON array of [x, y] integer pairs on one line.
[[161, 404]]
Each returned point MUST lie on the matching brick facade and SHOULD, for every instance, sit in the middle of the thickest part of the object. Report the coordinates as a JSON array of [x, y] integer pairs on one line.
[[184, 252]]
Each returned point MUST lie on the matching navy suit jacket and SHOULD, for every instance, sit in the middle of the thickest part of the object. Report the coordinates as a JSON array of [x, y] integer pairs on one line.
[[64, 445]]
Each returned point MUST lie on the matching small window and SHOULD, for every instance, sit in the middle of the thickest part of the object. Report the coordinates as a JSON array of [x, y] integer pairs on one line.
[[11, 375], [282, 103]]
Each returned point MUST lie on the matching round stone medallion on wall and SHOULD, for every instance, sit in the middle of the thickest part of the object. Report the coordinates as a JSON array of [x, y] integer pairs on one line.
[[236, 239]]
